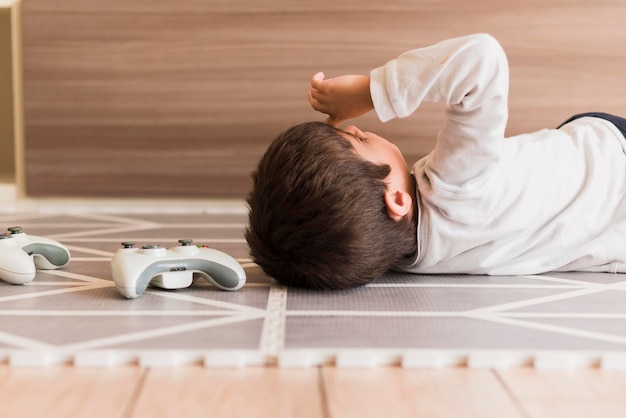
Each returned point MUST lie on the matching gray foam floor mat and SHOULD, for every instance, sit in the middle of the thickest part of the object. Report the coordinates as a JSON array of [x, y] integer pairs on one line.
[[76, 316]]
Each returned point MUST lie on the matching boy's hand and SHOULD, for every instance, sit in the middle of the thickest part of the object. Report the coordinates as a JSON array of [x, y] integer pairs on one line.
[[341, 98]]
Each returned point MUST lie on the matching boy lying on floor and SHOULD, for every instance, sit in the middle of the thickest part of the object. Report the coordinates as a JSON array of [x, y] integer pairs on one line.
[[336, 208]]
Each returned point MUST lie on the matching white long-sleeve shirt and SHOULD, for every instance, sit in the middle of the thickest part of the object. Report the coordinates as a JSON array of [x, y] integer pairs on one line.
[[552, 200]]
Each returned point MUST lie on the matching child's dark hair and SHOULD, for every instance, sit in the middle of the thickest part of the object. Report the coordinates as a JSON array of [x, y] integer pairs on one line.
[[317, 213]]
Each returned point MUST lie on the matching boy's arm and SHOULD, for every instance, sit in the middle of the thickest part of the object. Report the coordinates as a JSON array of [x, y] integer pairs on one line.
[[341, 98], [469, 75]]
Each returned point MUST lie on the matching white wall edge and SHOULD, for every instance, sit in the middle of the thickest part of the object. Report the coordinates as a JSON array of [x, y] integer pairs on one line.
[[7, 3]]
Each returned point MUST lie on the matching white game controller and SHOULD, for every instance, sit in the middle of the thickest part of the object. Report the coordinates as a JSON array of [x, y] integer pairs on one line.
[[21, 255], [174, 268]]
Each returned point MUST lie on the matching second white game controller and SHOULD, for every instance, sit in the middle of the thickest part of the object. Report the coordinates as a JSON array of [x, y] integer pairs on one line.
[[21, 255], [174, 268]]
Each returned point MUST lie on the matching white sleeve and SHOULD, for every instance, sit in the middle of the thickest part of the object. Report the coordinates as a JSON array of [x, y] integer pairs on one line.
[[468, 74]]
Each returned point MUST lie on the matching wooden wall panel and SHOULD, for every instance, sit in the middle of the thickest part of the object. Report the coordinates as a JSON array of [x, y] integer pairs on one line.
[[7, 138], [181, 98]]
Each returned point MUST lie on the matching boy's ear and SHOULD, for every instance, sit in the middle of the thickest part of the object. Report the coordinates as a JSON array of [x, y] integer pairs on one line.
[[398, 204]]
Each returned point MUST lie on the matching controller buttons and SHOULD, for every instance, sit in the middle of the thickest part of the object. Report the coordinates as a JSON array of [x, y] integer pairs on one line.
[[128, 244], [186, 247], [154, 250], [15, 229]]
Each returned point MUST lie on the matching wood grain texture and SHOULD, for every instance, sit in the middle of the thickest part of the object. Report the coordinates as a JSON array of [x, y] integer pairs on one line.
[[7, 96], [569, 393], [326, 392], [57, 392], [250, 392], [416, 393], [180, 99]]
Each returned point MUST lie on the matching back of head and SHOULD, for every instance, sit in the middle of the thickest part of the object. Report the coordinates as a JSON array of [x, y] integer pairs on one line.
[[317, 213]]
